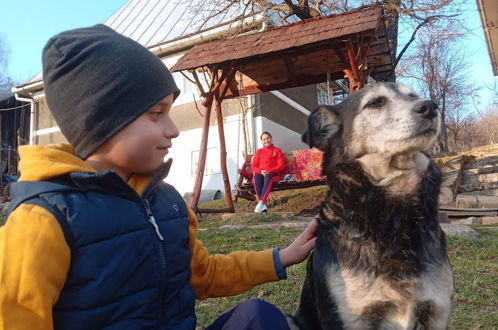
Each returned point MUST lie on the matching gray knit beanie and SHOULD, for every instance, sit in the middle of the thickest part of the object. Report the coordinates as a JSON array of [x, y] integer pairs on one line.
[[97, 81]]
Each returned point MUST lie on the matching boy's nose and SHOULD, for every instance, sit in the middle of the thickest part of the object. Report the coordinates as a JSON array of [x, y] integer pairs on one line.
[[171, 131]]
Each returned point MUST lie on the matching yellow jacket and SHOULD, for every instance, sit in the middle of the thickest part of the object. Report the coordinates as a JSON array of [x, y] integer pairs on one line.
[[35, 259]]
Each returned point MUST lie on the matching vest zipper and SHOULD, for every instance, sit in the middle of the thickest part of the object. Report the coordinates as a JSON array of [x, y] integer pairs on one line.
[[162, 257], [152, 220]]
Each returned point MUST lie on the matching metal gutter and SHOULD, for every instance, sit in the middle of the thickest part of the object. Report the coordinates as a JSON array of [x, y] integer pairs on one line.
[[176, 46], [487, 35]]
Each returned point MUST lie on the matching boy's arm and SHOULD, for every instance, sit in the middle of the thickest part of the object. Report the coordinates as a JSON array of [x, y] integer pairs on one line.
[[34, 261], [225, 275]]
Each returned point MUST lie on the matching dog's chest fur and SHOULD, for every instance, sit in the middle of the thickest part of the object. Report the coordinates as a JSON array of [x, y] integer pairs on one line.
[[382, 257]]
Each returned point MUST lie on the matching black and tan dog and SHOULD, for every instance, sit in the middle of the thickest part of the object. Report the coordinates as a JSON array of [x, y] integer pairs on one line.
[[380, 260]]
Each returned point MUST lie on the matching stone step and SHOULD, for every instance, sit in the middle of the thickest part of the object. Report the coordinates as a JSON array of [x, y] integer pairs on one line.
[[476, 201]]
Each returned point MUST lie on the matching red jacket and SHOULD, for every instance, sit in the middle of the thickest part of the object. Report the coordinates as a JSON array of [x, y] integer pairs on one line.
[[270, 159]]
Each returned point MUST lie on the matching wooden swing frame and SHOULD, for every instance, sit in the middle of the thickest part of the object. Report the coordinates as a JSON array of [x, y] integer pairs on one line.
[[292, 67]]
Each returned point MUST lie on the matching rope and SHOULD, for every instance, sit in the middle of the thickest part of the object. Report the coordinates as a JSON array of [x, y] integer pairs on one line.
[[20, 106], [330, 91]]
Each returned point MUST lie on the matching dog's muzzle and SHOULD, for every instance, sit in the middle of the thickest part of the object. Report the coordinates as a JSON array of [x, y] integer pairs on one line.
[[427, 109]]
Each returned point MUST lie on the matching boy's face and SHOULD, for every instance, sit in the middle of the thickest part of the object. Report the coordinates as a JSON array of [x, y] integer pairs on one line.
[[141, 146]]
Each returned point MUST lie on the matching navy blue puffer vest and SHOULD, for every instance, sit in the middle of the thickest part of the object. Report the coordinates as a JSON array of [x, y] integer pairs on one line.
[[130, 260]]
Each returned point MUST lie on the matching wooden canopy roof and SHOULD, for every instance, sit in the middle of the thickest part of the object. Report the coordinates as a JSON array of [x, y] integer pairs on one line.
[[298, 54]]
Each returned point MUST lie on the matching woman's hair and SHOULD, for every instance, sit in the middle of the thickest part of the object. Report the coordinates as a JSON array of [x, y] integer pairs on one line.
[[265, 133]]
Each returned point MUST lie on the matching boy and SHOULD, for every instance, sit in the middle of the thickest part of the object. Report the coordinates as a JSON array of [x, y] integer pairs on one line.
[[95, 239]]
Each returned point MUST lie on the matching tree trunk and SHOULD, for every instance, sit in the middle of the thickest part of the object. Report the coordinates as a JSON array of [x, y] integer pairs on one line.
[[443, 135], [391, 17]]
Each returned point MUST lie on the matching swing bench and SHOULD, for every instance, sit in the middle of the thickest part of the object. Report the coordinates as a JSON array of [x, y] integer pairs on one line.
[[302, 170]]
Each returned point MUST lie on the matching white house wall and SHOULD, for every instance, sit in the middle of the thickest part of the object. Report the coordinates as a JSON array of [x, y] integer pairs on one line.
[[181, 175], [283, 137]]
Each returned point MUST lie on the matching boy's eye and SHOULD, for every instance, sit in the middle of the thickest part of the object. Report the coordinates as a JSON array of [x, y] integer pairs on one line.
[[157, 114]]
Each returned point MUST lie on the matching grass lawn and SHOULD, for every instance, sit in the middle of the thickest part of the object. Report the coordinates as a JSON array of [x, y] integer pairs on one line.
[[475, 266], [475, 263]]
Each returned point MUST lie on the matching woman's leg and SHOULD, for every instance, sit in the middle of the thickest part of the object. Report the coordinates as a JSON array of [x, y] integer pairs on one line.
[[258, 182], [268, 183], [254, 314]]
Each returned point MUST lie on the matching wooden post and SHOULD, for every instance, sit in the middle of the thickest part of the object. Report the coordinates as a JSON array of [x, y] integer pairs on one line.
[[199, 175], [354, 74], [227, 74], [223, 154]]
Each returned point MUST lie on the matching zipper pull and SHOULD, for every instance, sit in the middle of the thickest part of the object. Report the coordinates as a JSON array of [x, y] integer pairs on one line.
[[152, 220]]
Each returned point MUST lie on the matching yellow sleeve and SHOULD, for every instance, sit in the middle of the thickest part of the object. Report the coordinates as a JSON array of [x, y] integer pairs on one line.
[[225, 275], [34, 261]]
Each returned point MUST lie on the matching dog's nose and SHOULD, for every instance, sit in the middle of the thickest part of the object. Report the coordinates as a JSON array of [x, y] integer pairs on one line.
[[427, 109]]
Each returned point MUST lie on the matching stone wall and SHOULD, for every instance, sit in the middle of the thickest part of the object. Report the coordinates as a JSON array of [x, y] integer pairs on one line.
[[470, 179]]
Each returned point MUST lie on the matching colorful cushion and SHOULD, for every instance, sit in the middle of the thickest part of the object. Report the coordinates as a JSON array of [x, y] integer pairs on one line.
[[304, 164]]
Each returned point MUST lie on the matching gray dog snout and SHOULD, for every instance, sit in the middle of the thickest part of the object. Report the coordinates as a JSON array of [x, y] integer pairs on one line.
[[427, 109]]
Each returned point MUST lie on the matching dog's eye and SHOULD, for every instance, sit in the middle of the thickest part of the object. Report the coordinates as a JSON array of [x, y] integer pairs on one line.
[[376, 103]]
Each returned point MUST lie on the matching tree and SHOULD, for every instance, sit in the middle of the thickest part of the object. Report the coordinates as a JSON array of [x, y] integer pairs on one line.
[[438, 66], [413, 13], [5, 81]]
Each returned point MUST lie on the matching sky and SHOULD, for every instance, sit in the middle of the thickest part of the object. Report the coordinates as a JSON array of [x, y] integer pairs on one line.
[[27, 25]]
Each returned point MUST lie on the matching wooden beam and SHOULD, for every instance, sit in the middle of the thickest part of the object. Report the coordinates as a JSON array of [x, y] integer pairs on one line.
[[223, 154], [201, 163], [291, 70], [227, 74], [301, 81], [354, 74], [226, 210]]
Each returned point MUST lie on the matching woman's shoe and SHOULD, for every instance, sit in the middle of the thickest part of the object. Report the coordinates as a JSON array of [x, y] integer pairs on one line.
[[259, 207], [264, 208]]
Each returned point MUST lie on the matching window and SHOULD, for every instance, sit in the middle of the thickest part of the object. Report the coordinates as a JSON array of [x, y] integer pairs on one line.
[[184, 84], [324, 96]]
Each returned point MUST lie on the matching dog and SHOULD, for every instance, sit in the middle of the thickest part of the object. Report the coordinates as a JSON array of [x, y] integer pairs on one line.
[[380, 260]]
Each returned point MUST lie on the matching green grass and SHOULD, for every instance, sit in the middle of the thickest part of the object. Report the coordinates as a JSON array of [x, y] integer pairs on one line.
[[475, 263], [284, 294], [475, 267]]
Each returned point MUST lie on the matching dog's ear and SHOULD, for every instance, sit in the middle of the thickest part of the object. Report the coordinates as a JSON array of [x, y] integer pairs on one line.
[[324, 125]]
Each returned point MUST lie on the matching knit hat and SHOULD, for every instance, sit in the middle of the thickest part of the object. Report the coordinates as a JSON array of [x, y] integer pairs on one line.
[[97, 81]]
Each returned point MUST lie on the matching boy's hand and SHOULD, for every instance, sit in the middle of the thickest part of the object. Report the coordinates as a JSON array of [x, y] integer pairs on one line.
[[301, 247]]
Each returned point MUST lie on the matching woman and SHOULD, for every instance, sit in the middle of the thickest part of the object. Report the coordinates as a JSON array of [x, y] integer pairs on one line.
[[267, 164]]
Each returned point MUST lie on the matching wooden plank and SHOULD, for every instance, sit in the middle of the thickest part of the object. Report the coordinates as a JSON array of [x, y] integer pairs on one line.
[[466, 214], [469, 212], [225, 210]]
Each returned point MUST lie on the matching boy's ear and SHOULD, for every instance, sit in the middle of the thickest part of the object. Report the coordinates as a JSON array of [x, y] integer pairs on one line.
[[324, 125]]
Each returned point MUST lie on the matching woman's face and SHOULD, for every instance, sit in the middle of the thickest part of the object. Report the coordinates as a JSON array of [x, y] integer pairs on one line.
[[266, 139]]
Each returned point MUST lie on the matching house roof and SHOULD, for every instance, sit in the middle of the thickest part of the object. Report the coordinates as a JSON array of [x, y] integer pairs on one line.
[[297, 54], [488, 10], [153, 22]]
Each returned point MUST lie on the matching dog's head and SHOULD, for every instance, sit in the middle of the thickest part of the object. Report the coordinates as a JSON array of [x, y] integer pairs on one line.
[[382, 118]]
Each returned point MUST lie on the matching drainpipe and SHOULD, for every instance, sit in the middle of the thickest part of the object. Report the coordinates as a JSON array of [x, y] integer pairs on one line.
[[31, 114]]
